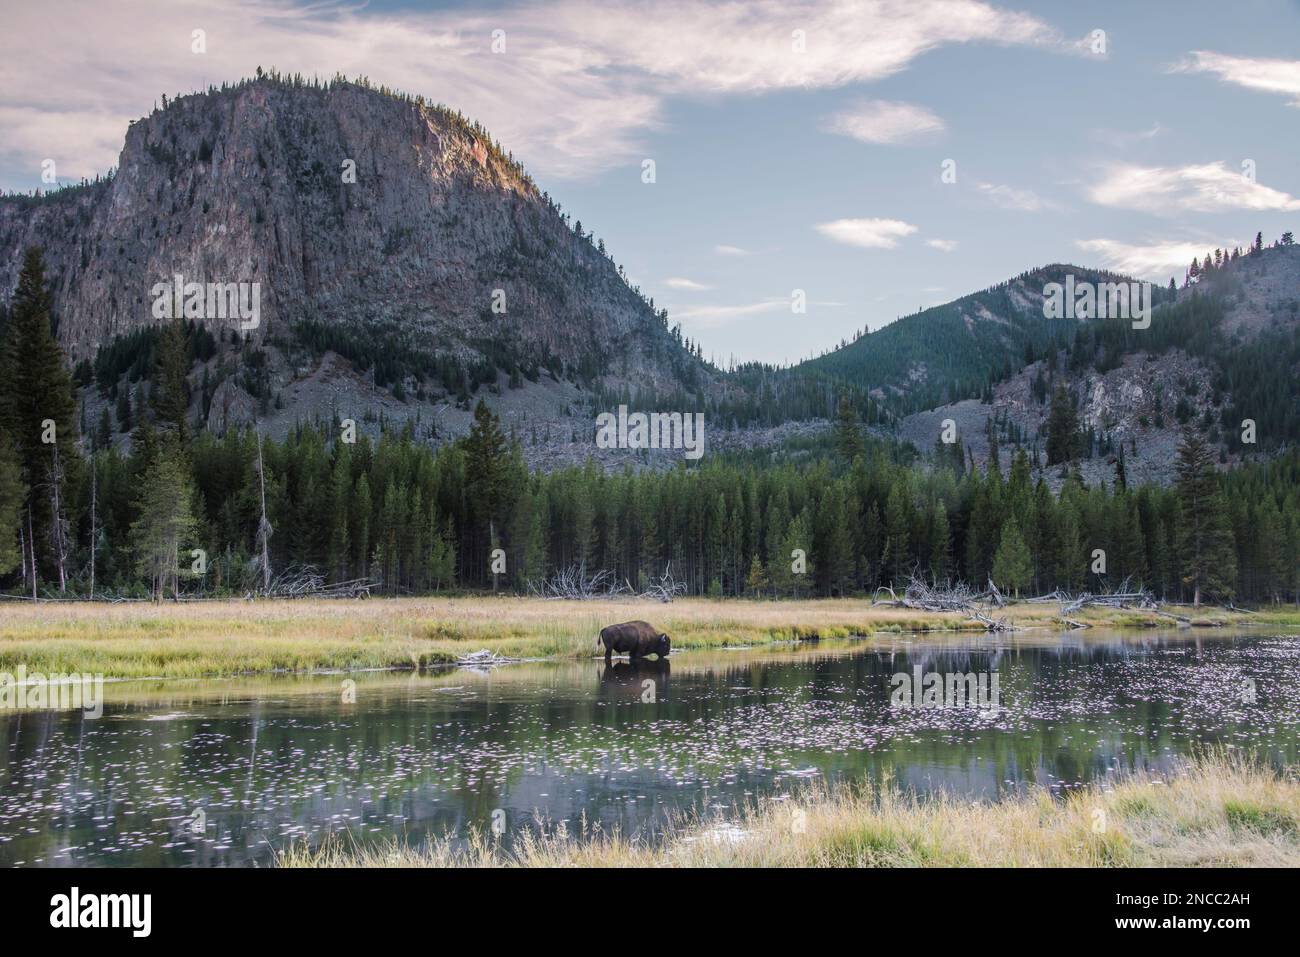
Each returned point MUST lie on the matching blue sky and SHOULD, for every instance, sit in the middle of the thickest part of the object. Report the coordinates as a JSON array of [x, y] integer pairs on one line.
[[777, 168]]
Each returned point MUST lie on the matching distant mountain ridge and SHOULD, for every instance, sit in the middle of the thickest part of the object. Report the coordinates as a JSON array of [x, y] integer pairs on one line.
[[962, 348]]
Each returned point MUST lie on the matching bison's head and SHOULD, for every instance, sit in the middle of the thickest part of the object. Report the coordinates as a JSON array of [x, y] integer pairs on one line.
[[662, 645]]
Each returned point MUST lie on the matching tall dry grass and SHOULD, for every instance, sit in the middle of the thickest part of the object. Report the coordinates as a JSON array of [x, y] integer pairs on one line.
[[1216, 811]]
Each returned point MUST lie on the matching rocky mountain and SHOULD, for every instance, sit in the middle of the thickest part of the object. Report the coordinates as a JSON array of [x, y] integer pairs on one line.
[[1220, 352], [378, 228], [401, 263], [961, 348]]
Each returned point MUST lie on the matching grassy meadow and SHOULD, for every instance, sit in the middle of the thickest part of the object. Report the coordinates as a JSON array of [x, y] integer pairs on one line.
[[1215, 812], [220, 638]]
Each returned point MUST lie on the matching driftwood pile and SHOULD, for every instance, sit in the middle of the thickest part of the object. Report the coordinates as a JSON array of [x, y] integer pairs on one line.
[[924, 596], [305, 581], [1121, 597], [574, 584], [482, 658], [1124, 596], [664, 588], [921, 595]]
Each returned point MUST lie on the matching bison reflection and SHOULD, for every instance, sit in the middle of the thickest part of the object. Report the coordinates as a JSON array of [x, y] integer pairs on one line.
[[640, 680]]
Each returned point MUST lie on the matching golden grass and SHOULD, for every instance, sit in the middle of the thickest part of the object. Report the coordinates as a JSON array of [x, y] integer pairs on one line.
[[238, 637], [1214, 812]]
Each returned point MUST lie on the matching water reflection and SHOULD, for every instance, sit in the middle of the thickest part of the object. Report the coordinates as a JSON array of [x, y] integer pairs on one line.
[[263, 762]]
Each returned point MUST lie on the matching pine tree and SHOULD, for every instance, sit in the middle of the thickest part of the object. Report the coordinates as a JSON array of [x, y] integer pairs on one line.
[[940, 543], [166, 522], [896, 558], [12, 496], [37, 411], [1209, 557], [1270, 551], [833, 544], [797, 538], [756, 581], [124, 409], [486, 485], [171, 400], [1062, 429], [340, 518], [104, 431], [1012, 567], [848, 437]]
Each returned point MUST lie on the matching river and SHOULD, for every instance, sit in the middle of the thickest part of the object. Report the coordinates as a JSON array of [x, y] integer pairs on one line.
[[225, 772]]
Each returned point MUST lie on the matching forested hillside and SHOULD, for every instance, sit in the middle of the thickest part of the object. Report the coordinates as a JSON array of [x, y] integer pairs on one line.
[[186, 512], [960, 349]]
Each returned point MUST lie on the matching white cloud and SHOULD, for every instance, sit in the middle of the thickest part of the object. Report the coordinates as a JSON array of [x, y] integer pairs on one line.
[[885, 122], [1204, 188], [1254, 73], [943, 245], [580, 85], [722, 249], [690, 285], [751, 47], [705, 316], [867, 233], [1020, 200], [1152, 261]]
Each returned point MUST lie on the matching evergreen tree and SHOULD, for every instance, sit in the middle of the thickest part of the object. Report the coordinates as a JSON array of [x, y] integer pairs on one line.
[[340, 518], [104, 431], [1012, 567], [37, 409], [797, 538], [940, 543], [848, 436], [833, 543], [166, 522], [1062, 429], [1209, 559], [171, 400], [124, 409], [486, 486], [1270, 551], [756, 581], [897, 547], [12, 496]]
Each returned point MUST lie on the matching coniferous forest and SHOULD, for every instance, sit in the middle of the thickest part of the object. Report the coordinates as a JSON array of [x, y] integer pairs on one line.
[[186, 514]]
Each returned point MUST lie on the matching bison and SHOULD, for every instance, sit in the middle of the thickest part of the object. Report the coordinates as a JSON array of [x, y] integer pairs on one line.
[[635, 638]]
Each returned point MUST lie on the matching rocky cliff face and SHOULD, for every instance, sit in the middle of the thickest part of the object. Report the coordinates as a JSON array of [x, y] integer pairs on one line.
[[255, 184], [1143, 401]]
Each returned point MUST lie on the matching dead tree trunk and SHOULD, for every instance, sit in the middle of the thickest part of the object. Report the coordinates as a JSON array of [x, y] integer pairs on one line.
[[94, 492], [263, 526]]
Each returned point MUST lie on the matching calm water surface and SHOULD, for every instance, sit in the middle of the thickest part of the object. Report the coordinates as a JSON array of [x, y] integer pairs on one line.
[[273, 761]]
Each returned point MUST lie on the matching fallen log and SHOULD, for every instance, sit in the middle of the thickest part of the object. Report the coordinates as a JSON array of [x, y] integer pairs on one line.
[[993, 624]]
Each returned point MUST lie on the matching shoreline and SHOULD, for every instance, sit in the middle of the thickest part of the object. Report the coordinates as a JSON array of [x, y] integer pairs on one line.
[[241, 638], [1214, 811]]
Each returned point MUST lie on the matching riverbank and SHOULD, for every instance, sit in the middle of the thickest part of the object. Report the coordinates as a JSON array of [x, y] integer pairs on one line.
[[1215, 812], [222, 638]]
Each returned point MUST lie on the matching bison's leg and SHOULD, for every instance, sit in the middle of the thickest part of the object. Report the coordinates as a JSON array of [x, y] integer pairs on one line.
[[609, 653]]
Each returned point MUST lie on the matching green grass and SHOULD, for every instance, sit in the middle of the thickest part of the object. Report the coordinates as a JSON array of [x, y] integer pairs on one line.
[[1215, 811]]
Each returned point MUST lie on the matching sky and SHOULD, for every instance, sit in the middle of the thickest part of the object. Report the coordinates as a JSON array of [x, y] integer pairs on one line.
[[865, 158]]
